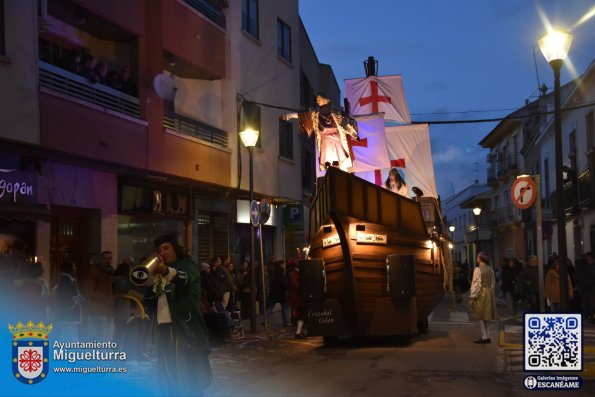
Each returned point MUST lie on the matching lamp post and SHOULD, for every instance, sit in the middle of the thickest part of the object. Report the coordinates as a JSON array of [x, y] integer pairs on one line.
[[249, 138], [452, 236], [554, 46], [477, 212]]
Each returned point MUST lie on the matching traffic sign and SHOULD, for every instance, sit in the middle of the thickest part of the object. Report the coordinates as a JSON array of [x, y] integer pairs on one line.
[[265, 210], [254, 213], [523, 192]]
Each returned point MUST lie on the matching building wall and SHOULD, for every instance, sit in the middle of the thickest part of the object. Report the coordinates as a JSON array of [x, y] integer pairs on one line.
[[572, 121], [19, 119], [261, 76], [72, 186]]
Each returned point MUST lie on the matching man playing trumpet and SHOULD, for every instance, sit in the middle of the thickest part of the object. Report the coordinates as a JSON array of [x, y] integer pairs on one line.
[[181, 334]]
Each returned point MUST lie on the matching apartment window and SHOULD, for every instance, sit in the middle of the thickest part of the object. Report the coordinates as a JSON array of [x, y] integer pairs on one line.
[[283, 40], [2, 27], [285, 139], [250, 17], [251, 119]]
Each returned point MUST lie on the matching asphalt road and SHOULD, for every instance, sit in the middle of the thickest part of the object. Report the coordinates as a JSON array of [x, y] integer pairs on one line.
[[444, 362]]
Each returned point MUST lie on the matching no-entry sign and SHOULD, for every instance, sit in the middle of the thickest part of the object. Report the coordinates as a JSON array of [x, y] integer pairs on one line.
[[523, 192]]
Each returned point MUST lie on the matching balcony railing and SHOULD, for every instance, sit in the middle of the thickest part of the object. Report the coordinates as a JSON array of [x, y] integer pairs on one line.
[[504, 215], [194, 128], [492, 173], [206, 8], [584, 188], [79, 87], [512, 161]]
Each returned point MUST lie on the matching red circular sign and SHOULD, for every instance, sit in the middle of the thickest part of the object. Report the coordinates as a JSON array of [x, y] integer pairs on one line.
[[523, 192]]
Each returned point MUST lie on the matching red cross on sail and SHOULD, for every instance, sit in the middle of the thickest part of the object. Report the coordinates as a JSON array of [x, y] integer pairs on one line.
[[370, 152], [400, 163], [377, 94], [351, 142], [374, 98]]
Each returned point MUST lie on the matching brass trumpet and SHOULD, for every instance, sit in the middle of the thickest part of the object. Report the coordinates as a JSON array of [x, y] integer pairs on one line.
[[145, 270]]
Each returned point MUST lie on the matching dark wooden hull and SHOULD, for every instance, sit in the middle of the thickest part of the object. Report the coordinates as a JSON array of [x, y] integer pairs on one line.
[[354, 227]]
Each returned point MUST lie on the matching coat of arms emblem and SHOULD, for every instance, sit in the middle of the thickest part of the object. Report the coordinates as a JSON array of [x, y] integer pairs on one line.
[[30, 351]]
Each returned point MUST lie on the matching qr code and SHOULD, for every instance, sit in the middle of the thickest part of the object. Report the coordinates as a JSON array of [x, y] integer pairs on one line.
[[553, 342]]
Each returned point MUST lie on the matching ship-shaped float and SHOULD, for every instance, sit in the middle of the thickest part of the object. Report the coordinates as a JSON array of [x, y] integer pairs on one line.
[[378, 261]]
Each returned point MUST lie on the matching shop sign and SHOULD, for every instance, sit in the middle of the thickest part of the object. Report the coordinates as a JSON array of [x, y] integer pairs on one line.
[[294, 215], [15, 187]]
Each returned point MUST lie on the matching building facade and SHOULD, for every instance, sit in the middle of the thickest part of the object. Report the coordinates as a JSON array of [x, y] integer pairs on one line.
[[90, 163], [523, 144]]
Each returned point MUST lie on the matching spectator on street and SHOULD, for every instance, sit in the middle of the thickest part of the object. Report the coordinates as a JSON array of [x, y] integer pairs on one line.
[[244, 284], [31, 291], [293, 297], [482, 298], [552, 287], [510, 271], [528, 283], [68, 309], [278, 291], [120, 286], [97, 289]]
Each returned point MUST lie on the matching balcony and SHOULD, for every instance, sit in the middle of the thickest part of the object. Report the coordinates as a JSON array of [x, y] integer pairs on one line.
[[577, 195], [64, 82], [192, 40], [194, 128], [585, 189], [208, 9], [508, 165], [90, 120], [504, 215], [512, 163], [492, 175], [570, 197]]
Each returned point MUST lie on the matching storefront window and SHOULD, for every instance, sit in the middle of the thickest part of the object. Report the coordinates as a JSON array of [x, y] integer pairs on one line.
[[136, 234]]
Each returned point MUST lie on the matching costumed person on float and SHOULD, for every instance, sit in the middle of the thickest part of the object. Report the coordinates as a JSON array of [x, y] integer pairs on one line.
[[332, 126]]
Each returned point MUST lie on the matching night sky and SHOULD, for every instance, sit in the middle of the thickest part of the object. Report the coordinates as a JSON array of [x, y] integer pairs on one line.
[[460, 60]]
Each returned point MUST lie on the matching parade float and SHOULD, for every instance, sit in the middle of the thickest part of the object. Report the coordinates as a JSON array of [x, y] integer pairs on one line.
[[378, 261]]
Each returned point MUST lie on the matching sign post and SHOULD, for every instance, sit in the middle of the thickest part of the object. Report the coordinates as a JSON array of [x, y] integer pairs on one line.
[[524, 193], [264, 212]]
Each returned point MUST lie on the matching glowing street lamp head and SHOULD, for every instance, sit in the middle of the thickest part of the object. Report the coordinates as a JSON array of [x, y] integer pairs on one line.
[[451, 228], [555, 45], [477, 211], [249, 137]]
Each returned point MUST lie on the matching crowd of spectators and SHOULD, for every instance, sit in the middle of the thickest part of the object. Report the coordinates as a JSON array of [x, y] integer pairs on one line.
[[83, 63], [86, 65]]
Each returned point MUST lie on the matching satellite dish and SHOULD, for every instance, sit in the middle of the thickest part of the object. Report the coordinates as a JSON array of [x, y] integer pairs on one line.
[[165, 86]]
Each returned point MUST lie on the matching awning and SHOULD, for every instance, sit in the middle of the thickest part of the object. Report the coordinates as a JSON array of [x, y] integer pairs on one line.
[[25, 213]]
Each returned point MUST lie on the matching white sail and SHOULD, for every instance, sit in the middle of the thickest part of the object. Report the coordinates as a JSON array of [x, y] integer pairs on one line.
[[378, 94]]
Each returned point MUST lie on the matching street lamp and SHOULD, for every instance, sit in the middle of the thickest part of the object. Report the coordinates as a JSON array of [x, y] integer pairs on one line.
[[249, 138], [477, 212], [554, 46]]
